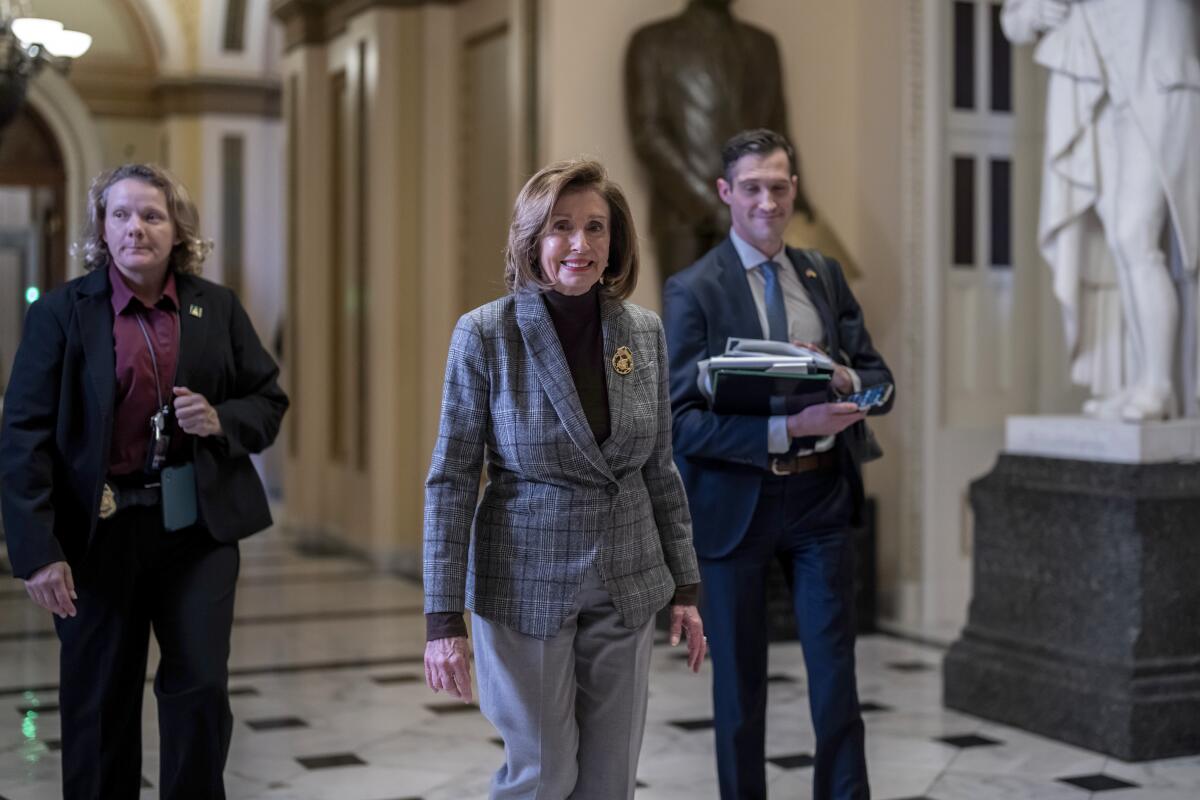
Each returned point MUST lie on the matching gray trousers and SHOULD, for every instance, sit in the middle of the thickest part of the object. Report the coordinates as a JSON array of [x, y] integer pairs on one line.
[[571, 709]]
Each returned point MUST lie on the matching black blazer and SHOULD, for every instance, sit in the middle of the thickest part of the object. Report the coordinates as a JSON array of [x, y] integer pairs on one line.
[[58, 412], [723, 458]]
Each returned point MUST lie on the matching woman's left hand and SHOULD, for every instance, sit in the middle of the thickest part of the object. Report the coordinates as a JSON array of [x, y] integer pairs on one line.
[[686, 619], [196, 416]]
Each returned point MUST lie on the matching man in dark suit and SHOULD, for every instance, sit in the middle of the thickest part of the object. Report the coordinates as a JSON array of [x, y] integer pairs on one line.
[[138, 393], [785, 487]]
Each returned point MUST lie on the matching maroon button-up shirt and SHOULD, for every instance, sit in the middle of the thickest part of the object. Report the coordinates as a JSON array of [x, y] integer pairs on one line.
[[136, 396]]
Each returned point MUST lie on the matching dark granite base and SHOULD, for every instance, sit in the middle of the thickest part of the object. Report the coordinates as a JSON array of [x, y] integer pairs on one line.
[[1084, 624]]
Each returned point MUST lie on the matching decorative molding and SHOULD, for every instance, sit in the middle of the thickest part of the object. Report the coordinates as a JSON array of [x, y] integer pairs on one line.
[[198, 96], [130, 94], [113, 94], [314, 22]]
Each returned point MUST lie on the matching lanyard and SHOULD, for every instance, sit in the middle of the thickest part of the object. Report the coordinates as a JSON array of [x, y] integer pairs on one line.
[[153, 359], [160, 439]]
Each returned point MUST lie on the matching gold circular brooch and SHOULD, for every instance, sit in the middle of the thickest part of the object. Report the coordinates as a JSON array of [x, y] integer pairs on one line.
[[622, 360]]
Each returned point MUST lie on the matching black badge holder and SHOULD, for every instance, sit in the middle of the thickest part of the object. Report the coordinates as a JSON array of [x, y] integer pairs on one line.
[[179, 497]]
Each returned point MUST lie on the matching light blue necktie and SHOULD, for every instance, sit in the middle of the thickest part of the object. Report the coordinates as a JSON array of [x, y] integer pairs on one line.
[[777, 325]]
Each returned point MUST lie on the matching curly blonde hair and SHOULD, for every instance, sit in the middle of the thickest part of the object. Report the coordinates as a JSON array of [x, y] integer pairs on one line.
[[189, 252], [531, 215]]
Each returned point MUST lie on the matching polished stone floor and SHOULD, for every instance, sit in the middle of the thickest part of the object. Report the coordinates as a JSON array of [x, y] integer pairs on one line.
[[330, 702]]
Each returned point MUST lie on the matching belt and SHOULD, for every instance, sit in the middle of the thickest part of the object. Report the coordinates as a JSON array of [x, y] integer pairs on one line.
[[117, 497], [794, 465]]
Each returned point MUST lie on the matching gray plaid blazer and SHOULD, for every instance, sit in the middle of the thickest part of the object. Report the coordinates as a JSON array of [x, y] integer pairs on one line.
[[555, 503]]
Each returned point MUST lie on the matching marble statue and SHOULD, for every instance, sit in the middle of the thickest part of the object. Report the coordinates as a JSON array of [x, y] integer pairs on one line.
[[1121, 191]]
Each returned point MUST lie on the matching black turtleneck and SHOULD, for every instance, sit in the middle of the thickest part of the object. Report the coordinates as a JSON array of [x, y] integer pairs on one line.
[[577, 322]]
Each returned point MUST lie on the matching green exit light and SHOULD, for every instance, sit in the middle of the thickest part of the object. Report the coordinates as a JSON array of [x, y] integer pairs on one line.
[[32, 294]]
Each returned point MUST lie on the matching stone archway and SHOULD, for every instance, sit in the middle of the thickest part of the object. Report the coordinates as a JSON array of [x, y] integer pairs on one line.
[[52, 97]]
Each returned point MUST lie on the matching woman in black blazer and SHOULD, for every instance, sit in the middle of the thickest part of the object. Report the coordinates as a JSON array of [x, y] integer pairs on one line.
[[137, 395]]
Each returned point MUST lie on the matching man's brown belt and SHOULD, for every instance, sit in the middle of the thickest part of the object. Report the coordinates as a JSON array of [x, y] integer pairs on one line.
[[794, 465]]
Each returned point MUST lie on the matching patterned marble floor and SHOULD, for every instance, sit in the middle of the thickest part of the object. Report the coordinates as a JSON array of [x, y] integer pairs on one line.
[[329, 702]]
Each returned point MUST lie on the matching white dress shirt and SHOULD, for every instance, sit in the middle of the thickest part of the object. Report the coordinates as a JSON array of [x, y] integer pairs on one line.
[[804, 325]]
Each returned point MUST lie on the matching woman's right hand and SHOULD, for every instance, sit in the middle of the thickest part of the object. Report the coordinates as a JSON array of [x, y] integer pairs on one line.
[[53, 588], [448, 666]]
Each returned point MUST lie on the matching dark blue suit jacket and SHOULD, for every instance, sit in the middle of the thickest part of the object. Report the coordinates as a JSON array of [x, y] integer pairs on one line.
[[723, 457], [58, 414]]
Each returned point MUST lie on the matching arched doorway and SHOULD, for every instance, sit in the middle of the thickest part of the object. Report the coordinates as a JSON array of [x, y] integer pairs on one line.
[[33, 230]]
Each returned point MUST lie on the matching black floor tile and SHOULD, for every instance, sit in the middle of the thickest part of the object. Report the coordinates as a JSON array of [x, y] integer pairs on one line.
[[243, 691], [869, 706], [797, 761], [1098, 782], [146, 784], [781, 679], [388, 680], [496, 740], [452, 708], [910, 666], [54, 745], [331, 760], [44, 708], [640, 785], [276, 723], [22, 691], [692, 724], [326, 666], [969, 740]]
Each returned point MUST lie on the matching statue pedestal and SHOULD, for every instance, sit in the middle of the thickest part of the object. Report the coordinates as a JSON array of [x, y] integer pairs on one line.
[[1084, 624], [1086, 439]]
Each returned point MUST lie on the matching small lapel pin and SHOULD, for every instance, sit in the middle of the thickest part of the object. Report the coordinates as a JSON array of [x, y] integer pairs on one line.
[[622, 360], [808, 273], [196, 311]]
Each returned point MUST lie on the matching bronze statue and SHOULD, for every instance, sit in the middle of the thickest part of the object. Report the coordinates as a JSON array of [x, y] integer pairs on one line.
[[691, 82]]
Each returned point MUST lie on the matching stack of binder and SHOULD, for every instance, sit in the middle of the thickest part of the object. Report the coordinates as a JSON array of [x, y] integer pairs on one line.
[[764, 378]]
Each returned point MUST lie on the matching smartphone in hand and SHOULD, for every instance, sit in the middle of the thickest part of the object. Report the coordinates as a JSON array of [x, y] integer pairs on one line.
[[871, 397]]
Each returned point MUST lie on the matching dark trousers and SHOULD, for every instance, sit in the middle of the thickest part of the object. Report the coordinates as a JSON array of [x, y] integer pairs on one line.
[[136, 577], [802, 521]]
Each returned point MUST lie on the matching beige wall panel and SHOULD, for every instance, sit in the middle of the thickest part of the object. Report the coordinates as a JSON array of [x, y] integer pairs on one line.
[[185, 151], [877, 242], [484, 181], [126, 140], [307, 475], [396, 264], [441, 233]]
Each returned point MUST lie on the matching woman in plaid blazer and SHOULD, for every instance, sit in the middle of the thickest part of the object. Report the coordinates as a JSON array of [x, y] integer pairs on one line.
[[582, 532]]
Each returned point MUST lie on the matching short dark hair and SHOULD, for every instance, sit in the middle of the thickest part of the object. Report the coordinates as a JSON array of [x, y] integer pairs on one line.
[[531, 216], [760, 142]]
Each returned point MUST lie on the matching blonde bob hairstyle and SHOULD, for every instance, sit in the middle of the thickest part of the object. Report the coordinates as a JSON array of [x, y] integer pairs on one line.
[[531, 219], [189, 251]]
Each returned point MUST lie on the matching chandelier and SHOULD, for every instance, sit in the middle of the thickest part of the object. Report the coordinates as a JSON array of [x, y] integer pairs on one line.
[[27, 44]]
